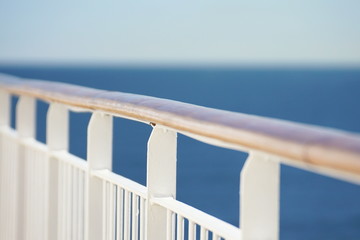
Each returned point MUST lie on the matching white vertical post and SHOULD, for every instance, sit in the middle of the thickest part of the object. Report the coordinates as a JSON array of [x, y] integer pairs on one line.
[[161, 179], [4, 167], [25, 117], [57, 131], [57, 139], [4, 108], [25, 126], [99, 156], [259, 203]]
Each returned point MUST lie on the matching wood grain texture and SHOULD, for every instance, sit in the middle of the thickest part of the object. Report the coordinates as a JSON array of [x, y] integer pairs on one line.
[[329, 148]]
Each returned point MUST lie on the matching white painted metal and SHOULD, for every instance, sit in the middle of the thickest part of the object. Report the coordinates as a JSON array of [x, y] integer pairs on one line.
[[119, 213], [35, 187], [196, 216], [4, 108], [111, 214], [57, 131], [169, 223], [259, 203], [25, 117], [104, 210], [344, 176], [25, 127], [57, 139], [203, 233], [134, 217], [99, 156], [180, 227], [125, 183], [47, 193], [9, 181], [126, 215], [192, 231], [161, 179], [143, 211], [6, 218]]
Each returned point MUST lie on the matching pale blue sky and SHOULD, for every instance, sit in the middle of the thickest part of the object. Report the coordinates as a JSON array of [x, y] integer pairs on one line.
[[181, 32]]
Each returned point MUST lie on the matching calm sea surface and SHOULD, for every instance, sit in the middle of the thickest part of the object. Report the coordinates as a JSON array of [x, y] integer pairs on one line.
[[312, 206]]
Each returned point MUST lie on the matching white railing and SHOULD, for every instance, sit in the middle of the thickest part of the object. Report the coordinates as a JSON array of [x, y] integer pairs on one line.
[[48, 193]]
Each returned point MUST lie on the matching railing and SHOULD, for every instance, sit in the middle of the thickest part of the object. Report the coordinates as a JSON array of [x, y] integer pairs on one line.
[[47, 193]]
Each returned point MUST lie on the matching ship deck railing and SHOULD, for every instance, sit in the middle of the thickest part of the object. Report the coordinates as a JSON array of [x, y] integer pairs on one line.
[[48, 193]]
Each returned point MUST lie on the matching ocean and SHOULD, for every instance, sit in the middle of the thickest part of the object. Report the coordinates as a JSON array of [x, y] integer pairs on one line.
[[312, 206]]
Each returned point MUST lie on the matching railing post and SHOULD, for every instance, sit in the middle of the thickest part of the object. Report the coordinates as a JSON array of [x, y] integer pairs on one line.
[[57, 139], [4, 168], [25, 126], [99, 156], [5, 108], [161, 179], [25, 117], [259, 203]]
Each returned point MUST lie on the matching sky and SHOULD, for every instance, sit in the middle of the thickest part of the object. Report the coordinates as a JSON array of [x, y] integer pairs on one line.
[[226, 32]]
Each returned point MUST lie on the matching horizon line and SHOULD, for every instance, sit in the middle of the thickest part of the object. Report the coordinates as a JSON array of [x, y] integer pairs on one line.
[[181, 65]]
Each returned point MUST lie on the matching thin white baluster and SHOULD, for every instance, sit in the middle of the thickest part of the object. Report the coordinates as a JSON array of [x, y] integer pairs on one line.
[[192, 231], [74, 200], [104, 209], [63, 208], [180, 227], [111, 212], [203, 233], [215, 236], [60, 195], [63, 205], [67, 195], [65, 201], [36, 190], [168, 224], [69, 201], [142, 218], [29, 190], [134, 217], [120, 214], [126, 215], [44, 190], [173, 226], [81, 206], [42, 204]]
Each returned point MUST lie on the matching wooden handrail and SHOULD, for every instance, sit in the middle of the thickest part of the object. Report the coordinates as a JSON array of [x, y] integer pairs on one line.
[[332, 149]]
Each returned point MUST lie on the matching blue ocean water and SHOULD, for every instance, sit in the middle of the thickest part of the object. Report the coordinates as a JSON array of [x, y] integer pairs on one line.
[[312, 206]]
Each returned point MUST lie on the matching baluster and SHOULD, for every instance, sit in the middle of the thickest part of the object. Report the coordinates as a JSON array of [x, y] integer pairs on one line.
[[126, 215], [142, 218], [111, 212], [192, 230], [134, 217], [180, 227], [120, 213]]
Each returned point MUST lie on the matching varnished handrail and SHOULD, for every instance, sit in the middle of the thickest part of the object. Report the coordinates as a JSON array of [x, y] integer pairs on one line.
[[332, 149]]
